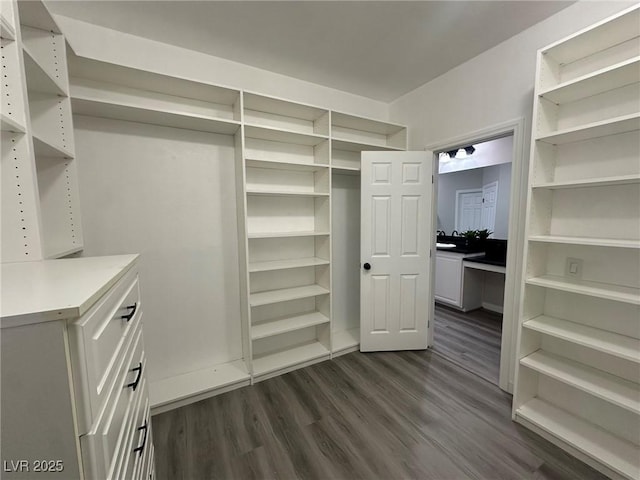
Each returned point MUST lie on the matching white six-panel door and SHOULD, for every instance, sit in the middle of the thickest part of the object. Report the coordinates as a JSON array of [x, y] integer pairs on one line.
[[489, 205], [396, 236]]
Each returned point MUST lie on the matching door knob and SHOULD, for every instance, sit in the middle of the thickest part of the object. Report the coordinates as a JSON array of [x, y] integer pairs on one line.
[[367, 266]]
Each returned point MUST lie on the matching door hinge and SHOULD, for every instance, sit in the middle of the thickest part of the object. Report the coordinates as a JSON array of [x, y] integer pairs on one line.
[[430, 250], [432, 179]]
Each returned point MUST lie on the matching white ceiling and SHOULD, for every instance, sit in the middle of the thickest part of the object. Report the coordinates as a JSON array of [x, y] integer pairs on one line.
[[379, 49]]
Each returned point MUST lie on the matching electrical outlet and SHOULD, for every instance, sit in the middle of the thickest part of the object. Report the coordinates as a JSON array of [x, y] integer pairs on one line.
[[573, 267]]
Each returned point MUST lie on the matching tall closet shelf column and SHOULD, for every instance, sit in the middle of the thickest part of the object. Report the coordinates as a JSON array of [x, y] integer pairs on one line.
[[288, 221], [580, 355]]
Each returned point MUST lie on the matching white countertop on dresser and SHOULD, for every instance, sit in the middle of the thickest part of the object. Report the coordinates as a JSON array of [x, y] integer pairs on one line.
[[34, 292]]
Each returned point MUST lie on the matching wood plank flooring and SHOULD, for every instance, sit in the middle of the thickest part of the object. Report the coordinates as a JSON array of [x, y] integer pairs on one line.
[[392, 415], [471, 340]]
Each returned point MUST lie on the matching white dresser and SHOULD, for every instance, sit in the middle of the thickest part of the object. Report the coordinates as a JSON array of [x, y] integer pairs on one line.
[[74, 394]]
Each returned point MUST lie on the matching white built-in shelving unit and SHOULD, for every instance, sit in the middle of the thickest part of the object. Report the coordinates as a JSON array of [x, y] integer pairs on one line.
[[298, 209], [578, 377], [40, 205], [287, 186]]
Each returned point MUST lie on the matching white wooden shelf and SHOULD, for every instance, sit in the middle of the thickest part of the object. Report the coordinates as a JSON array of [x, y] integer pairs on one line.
[[8, 124], [353, 146], [613, 126], [7, 31], [288, 234], [615, 76], [34, 14], [279, 165], [286, 294], [345, 339], [283, 135], [351, 133], [352, 122], [341, 169], [287, 324], [286, 358], [601, 36], [173, 389], [614, 452], [583, 287], [275, 112], [603, 341], [282, 193], [594, 242], [590, 182], [285, 264], [38, 79], [141, 114], [59, 251], [47, 148], [600, 384]]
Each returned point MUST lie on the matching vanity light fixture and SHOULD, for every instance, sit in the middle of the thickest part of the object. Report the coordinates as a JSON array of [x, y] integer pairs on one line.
[[467, 151]]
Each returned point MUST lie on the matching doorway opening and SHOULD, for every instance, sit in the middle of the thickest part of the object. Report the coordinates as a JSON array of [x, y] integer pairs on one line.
[[478, 190]]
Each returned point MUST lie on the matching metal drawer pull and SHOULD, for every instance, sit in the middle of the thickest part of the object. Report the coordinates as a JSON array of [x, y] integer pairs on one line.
[[130, 315], [140, 449], [135, 383]]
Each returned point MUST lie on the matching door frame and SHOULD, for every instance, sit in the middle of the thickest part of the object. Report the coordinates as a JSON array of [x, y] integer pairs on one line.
[[456, 217], [516, 241]]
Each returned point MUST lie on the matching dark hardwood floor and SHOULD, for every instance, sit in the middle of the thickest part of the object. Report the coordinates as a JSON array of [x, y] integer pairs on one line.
[[471, 340], [395, 415]]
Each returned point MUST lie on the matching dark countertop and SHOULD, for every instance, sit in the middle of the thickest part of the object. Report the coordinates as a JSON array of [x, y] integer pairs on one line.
[[487, 261], [459, 250]]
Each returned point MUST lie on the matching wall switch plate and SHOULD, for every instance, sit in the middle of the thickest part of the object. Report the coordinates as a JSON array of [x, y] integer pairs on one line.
[[573, 268]]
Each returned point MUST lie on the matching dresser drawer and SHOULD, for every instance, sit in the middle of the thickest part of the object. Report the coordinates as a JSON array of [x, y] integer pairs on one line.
[[147, 471], [139, 438], [102, 446], [100, 338], [145, 444]]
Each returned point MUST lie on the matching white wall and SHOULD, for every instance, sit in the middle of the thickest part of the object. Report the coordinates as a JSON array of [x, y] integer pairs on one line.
[[169, 195], [120, 48]]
